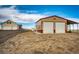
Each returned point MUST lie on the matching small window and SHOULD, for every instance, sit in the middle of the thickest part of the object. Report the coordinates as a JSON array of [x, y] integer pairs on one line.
[[54, 18], [8, 22]]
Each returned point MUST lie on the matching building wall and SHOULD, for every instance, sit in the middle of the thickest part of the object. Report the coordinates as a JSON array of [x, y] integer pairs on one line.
[[39, 24]]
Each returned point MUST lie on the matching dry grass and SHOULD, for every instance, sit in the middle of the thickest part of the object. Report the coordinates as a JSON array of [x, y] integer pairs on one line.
[[30, 42]]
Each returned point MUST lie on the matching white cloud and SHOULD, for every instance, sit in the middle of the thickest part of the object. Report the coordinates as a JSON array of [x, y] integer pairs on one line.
[[29, 17], [15, 15], [12, 13], [8, 11]]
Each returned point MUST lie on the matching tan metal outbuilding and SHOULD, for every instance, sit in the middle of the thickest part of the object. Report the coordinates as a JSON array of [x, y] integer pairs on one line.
[[10, 25], [53, 24]]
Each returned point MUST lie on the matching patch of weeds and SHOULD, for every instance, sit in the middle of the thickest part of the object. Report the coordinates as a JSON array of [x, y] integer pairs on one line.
[[71, 49], [13, 43], [38, 52], [60, 48]]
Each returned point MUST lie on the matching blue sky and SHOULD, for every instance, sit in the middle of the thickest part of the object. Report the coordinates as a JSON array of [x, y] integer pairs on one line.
[[71, 11], [27, 15]]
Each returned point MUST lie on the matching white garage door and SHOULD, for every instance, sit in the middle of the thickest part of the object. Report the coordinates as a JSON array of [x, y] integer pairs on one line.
[[9, 28], [48, 27], [14, 28], [6, 28], [60, 27]]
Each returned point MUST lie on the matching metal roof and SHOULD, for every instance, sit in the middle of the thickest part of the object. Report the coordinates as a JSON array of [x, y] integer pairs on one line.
[[10, 21], [68, 21]]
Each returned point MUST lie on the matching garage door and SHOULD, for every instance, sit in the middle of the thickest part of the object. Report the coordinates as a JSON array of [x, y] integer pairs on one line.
[[6, 28], [48, 27], [60, 27], [14, 27]]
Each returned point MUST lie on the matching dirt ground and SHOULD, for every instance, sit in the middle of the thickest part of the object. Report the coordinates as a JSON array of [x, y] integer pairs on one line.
[[28, 42]]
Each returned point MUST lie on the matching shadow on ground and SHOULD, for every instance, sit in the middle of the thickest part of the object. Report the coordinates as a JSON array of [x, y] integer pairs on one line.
[[6, 34]]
